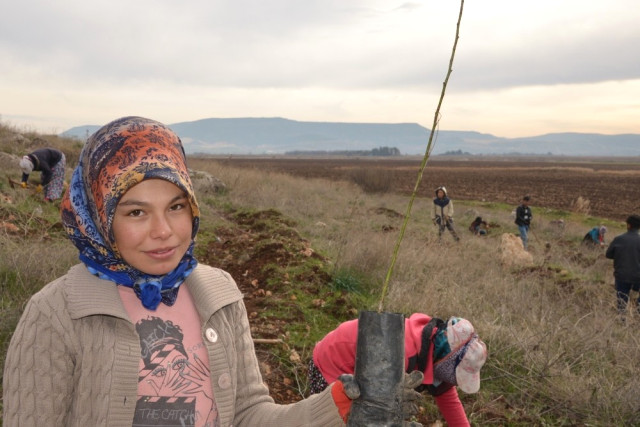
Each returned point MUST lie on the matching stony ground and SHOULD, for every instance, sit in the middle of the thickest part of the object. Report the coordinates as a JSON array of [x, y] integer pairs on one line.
[[240, 249]]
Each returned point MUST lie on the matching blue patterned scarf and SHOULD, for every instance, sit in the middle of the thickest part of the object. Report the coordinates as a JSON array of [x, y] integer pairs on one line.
[[118, 156]]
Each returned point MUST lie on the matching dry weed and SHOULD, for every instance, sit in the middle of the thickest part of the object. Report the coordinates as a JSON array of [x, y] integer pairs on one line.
[[581, 205], [557, 349]]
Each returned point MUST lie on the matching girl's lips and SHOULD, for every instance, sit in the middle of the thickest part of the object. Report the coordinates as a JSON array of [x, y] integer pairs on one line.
[[161, 253]]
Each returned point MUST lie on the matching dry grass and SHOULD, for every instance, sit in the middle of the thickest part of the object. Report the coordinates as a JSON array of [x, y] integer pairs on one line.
[[18, 142], [581, 205], [558, 352]]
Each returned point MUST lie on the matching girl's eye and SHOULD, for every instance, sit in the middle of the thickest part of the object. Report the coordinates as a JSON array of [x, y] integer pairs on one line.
[[177, 206], [135, 212]]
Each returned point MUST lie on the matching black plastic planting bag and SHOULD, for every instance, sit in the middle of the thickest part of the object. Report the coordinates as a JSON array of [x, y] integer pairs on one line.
[[379, 370]]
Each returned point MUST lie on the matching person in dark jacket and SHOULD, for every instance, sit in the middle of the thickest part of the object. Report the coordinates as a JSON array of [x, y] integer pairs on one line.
[[523, 220], [442, 213], [624, 250], [51, 163]]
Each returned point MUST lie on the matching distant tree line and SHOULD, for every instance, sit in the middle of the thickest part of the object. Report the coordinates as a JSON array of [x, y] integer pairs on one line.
[[379, 152], [455, 153], [512, 153]]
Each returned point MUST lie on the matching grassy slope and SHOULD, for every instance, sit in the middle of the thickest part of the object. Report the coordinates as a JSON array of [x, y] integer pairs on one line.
[[557, 354]]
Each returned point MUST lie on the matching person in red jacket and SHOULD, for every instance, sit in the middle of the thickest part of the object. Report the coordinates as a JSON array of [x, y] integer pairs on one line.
[[449, 354]]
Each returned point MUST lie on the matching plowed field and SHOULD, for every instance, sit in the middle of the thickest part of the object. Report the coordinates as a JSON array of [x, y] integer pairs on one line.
[[612, 186]]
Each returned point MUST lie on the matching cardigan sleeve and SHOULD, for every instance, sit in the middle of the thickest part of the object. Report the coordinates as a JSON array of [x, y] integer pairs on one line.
[[38, 372], [254, 406]]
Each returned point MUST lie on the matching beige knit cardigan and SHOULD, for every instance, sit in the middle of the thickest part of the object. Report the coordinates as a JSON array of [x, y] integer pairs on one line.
[[73, 359]]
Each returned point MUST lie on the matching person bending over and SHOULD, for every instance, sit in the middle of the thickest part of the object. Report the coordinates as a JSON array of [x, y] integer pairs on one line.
[[449, 354]]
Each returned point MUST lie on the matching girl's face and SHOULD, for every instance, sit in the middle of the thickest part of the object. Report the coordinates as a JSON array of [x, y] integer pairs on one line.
[[440, 194], [152, 226]]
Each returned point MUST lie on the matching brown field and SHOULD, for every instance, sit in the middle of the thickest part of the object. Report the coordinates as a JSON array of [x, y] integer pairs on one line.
[[612, 186]]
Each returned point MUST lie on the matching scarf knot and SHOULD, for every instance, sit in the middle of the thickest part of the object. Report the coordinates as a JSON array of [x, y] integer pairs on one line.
[[149, 293]]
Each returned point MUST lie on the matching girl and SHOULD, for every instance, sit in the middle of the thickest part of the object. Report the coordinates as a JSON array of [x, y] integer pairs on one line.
[[138, 333], [442, 213]]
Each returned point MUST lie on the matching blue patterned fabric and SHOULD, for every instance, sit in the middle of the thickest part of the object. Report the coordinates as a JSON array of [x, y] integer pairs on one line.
[[445, 369], [118, 156]]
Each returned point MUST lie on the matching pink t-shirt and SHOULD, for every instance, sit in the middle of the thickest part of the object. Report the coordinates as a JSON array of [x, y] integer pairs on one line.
[[174, 386]]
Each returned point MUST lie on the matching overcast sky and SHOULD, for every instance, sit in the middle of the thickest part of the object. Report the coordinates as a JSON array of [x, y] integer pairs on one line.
[[521, 68]]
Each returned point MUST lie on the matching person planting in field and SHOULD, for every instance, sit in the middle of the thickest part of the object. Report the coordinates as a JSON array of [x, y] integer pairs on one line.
[[449, 354], [51, 163], [523, 220], [479, 227], [442, 213], [624, 250], [595, 236]]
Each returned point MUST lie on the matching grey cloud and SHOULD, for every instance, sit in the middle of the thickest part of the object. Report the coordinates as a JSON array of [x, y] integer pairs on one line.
[[285, 43], [586, 60], [222, 43]]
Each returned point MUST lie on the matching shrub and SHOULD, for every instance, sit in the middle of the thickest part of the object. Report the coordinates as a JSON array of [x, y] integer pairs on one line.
[[581, 206]]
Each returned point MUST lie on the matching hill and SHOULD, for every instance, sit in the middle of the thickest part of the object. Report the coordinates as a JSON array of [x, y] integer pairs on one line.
[[279, 136]]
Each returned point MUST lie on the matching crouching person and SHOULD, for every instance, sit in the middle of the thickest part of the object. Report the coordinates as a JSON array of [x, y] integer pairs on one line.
[[479, 227], [449, 354], [595, 236]]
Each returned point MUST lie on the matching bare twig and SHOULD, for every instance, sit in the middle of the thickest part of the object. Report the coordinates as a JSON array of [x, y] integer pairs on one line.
[[436, 119], [267, 341]]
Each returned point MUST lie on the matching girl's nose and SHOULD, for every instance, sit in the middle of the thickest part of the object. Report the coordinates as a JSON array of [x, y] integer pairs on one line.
[[160, 228]]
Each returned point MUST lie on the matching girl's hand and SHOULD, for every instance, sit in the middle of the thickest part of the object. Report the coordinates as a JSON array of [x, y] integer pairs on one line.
[[346, 389]]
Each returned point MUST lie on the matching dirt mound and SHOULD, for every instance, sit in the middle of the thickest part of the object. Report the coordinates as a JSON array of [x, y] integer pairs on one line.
[[255, 248], [512, 253]]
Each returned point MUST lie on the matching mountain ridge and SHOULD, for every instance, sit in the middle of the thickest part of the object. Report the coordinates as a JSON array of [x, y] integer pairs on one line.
[[277, 135]]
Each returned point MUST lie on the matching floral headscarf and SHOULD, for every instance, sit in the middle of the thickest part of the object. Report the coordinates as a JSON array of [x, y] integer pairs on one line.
[[118, 156], [465, 354]]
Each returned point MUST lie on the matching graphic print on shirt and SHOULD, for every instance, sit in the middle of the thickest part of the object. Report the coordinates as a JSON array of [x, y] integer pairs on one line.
[[172, 380]]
